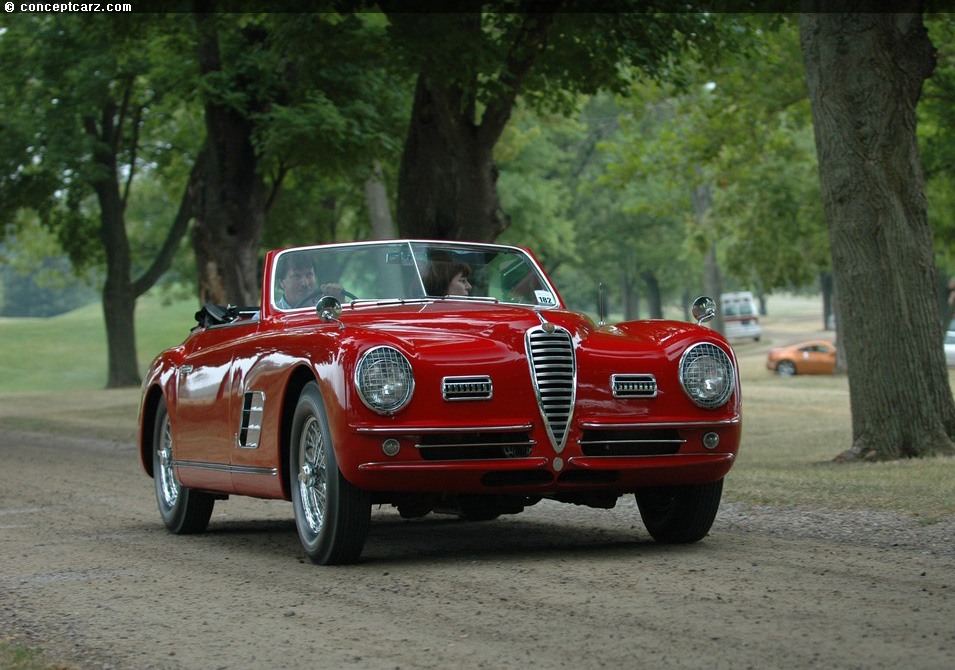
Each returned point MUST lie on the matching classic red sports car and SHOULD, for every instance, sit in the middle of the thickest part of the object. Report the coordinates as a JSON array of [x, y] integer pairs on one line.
[[435, 376]]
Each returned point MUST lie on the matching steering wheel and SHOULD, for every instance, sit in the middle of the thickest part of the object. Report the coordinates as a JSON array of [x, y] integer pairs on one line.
[[317, 293]]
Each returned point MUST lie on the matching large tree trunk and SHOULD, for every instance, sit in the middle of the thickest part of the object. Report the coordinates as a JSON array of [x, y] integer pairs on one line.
[[447, 185], [120, 291], [119, 301], [233, 197], [230, 217], [865, 74]]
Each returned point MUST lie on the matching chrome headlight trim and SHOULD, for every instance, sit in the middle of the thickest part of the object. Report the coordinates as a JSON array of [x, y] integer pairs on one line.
[[384, 380], [707, 375]]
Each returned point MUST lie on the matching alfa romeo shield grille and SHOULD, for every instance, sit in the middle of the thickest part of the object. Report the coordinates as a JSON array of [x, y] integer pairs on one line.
[[554, 372]]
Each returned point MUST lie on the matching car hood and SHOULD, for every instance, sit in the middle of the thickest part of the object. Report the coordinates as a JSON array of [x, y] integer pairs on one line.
[[431, 328]]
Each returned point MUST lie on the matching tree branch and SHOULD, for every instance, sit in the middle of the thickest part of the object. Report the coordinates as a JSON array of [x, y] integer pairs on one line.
[[117, 129], [133, 152], [187, 209], [521, 56]]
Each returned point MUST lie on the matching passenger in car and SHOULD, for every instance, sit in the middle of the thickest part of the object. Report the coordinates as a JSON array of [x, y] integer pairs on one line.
[[447, 278]]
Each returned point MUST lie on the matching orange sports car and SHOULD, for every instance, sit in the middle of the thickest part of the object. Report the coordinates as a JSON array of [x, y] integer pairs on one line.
[[817, 357]]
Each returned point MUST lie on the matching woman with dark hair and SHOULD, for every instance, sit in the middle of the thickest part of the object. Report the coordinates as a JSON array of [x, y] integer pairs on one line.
[[447, 278]]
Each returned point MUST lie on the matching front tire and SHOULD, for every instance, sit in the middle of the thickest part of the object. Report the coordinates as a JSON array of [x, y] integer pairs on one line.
[[478, 507], [680, 514], [332, 515], [183, 510], [786, 369]]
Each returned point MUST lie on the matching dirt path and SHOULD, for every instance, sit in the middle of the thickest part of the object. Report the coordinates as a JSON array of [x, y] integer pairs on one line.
[[88, 572]]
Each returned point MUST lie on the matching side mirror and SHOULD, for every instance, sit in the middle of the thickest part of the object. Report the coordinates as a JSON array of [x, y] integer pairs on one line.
[[328, 308], [704, 309]]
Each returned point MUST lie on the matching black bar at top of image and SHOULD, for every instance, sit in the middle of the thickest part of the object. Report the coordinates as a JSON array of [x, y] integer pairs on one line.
[[567, 6], [455, 6]]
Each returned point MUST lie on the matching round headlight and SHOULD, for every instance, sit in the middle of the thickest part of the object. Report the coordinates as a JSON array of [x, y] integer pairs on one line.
[[384, 380], [706, 375]]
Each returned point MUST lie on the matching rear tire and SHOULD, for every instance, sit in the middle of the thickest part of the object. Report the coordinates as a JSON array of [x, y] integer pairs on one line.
[[680, 514], [183, 510], [332, 515]]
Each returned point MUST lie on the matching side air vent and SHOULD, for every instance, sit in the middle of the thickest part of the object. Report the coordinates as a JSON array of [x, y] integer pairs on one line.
[[466, 388], [634, 386], [554, 373], [253, 407]]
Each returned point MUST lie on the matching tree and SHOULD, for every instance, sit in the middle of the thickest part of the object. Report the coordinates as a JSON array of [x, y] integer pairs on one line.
[[471, 68], [36, 277], [282, 92], [536, 158], [83, 99], [649, 199], [936, 129], [585, 231], [729, 148], [865, 73], [233, 196]]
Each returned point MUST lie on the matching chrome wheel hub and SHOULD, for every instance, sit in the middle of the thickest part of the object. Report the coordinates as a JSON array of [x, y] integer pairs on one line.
[[313, 475], [168, 484]]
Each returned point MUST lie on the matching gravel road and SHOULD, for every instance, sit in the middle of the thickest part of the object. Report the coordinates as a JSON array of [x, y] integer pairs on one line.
[[88, 573]]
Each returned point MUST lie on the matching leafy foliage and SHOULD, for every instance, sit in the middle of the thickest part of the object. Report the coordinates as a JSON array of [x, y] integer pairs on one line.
[[936, 132], [742, 127], [70, 76]]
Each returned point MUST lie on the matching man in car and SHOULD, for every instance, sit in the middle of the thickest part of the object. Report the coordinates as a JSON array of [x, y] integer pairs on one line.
[[296, 278]]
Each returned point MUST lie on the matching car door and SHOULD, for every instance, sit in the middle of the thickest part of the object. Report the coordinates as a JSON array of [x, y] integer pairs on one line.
[[201, 428], [257, 383], [818, 359]]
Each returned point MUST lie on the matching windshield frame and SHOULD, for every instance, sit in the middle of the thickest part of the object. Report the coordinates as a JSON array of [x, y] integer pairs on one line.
[[410, 258]]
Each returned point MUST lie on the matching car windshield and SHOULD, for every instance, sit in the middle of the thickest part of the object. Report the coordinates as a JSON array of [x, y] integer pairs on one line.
[[408, 271]]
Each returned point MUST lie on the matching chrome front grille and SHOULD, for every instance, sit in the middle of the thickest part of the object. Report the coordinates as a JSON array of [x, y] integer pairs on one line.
[[466, 388], [633, 386], [554, 373]]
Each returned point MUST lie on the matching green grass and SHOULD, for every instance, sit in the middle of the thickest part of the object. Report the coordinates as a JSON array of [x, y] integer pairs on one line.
[[793, 428], [68, 352], [16, 656]]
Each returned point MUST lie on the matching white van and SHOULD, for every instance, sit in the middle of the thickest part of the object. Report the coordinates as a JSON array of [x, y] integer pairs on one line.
[[740, 316]]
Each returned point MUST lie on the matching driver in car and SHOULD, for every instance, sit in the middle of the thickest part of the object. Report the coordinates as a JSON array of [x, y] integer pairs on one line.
[[296, 278]]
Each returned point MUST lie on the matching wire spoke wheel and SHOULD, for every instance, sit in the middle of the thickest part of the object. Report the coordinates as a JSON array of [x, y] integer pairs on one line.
[[313, 476], [182, 509], [332, 516]]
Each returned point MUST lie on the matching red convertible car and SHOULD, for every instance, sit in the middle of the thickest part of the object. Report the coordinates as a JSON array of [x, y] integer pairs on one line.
[[435, 376]]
